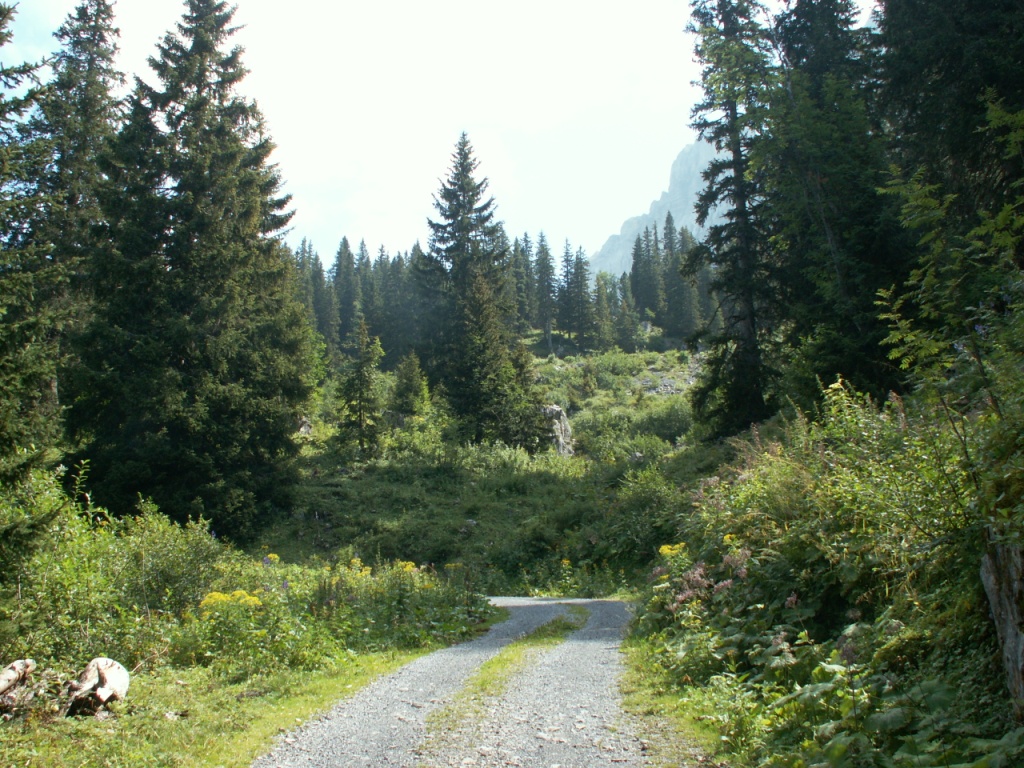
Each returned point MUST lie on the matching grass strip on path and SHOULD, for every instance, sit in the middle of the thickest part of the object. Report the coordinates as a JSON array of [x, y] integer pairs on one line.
[[492, 678]]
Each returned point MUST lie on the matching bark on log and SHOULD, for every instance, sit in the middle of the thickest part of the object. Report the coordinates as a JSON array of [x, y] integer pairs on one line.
[[1002, 573], [104, 678], [14, 673]]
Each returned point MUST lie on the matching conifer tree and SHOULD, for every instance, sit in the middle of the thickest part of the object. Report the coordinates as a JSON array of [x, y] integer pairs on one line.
[[346, 288], [361, 392], [628, 334], [325, 307], [525, 290], [944, 62], [835, 238], [411, 395], [78, 116], [484, 370], [547, 288], [682, 311], [198, 358], [30, 321], [733, 49], [605, 298]]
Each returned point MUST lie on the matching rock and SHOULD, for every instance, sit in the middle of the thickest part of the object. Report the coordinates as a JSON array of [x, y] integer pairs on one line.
[[561, 432]]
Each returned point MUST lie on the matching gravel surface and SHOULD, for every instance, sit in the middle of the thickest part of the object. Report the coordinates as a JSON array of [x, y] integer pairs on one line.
[[561, 712]]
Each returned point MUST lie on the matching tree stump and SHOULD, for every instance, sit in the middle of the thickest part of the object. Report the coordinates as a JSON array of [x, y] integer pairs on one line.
[[103, 680], [14, 673]]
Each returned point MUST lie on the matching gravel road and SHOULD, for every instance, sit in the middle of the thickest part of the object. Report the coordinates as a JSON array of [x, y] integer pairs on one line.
[[563, 711]]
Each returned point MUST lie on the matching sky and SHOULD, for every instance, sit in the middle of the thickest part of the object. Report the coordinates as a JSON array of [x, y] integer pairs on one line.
[[575, 108]]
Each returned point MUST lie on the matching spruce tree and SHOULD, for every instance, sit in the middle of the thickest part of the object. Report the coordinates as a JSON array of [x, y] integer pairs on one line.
[[835, 238], [547, 289], [605, 298], [483, 366], [361, 391], [198, 358], [944, 62], [346, 288], [30, 318], [78, 116], [411, 395], [733, 49]]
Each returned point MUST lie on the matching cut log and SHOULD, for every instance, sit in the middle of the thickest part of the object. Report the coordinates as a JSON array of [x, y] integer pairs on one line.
[[104, 679], [15, 672]]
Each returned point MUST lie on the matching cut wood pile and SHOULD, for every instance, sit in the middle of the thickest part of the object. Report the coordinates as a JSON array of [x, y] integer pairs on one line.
[[102, 681]]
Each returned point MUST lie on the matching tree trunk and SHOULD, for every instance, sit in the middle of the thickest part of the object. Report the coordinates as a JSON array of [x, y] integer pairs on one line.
[[1002, 573], [103, 678], [14, 673]]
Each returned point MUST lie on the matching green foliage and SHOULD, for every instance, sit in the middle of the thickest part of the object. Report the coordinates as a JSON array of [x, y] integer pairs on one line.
[[31, 318], [198, 357], [410, 395], [361, 392], [149, 592], [826, 593]]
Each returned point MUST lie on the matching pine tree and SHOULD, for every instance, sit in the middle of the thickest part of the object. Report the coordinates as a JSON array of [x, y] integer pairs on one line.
[[78, 116], [547, 289], [466, 271], [628, 334], [682, 310], [346, 288], [605, 298], [304, 259], [411, 395], [30, 321], [733, 48], [361, 391], [325, 308], [943, 63], [199, 356], [523, 278], [836, 240]]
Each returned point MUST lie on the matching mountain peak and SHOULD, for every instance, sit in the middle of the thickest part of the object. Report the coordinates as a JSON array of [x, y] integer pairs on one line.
[[685, 183]]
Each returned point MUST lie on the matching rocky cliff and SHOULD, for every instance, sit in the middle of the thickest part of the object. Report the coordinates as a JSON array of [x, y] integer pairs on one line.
[[684, 185]]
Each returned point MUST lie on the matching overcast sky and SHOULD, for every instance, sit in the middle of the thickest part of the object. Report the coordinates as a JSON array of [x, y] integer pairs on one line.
[[576, 109]]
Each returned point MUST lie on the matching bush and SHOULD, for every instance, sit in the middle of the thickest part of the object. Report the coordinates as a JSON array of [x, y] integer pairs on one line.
[[829, 583]]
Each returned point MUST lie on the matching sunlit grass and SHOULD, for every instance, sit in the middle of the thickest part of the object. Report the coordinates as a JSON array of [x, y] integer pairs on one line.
[[678, 730], [191, 718]]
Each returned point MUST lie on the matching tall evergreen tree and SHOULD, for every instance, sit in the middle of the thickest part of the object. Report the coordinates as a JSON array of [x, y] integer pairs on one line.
[[411, 395], [547, 288], [480, 362], [78, 116], [944, 61], [325, 307], [605, 298], [733, 48], [682, 310], [525, 290], [836, 240], [361, 391], [29, 320], [198, 356], [346, 288]]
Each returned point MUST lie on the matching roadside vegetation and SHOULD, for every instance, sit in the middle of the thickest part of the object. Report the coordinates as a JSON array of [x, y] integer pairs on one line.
[[256, 482]]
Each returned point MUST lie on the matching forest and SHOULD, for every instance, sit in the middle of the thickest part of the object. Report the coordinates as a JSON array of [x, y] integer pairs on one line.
[[798, 434]]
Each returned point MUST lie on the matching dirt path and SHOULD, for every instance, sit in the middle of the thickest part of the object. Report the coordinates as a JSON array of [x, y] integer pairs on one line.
[[562, 711]]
